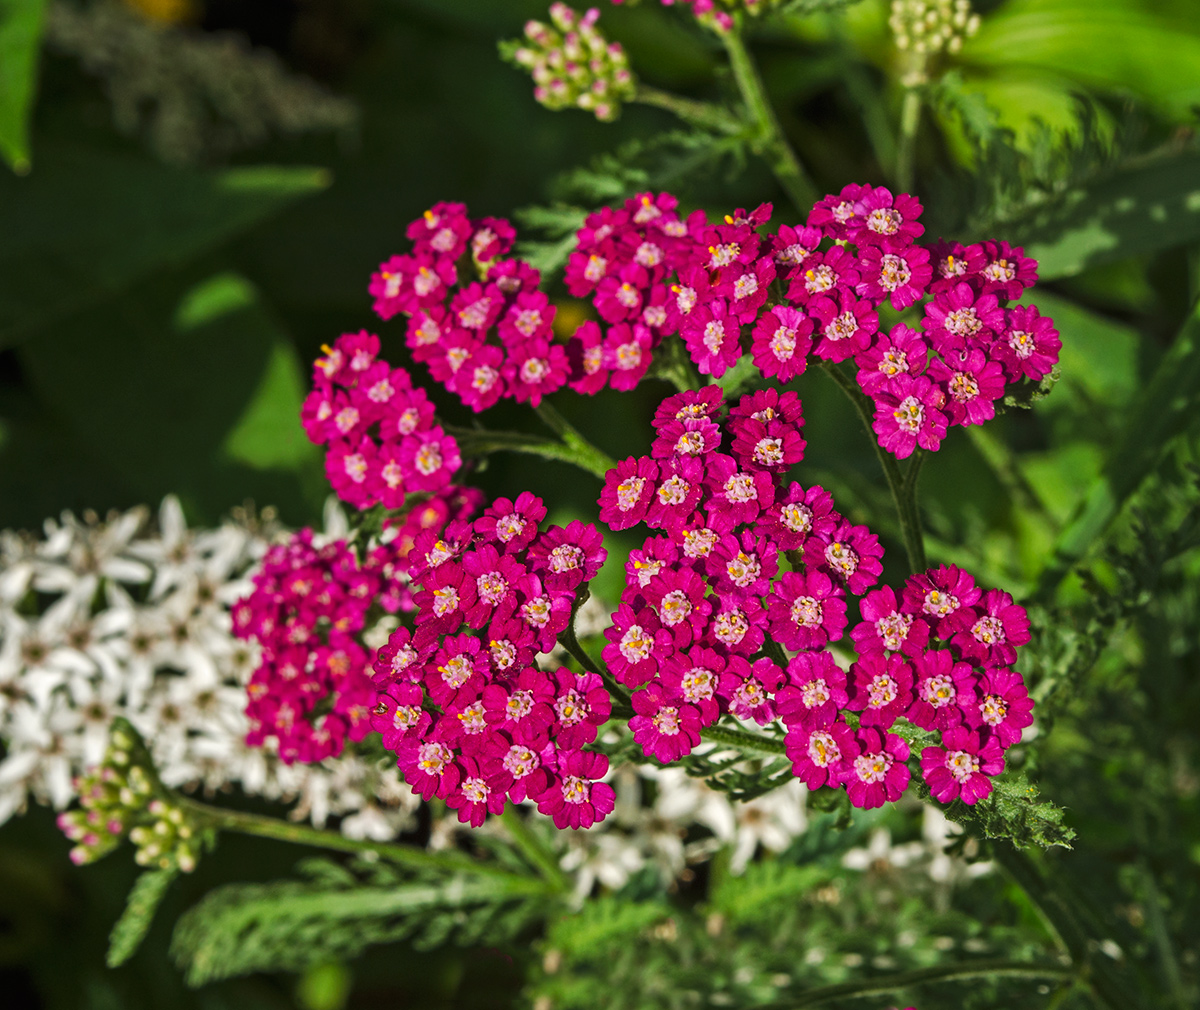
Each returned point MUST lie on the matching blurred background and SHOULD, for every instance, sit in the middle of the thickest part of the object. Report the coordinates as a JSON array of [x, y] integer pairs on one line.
[[208, 185]]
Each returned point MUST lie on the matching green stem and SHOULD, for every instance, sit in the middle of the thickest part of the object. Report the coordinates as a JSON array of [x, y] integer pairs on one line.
[[903, 487], [622, 706], [589, 457], [920, 976], [478, 443], [303, 834], [743, 741], [532, 848], [703, 114], [1061, 910], [772, 143], [674, 365], [910, 119]]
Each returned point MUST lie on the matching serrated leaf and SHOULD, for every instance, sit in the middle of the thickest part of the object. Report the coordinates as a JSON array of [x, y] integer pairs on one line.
[[1141, 209], [1014, 812], [21, 23], [145, 896], [243, 928]]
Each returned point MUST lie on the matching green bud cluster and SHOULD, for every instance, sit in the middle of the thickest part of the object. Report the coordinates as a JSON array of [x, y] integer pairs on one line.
[[120, 798], [573, 65], [925, 28]]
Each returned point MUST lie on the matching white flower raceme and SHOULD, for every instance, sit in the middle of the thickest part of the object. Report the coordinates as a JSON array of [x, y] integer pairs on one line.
[[128, 618]]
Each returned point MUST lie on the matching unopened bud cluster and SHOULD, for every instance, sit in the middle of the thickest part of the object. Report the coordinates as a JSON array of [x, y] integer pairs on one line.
[[926, 28], [573, 65], [118, 799]]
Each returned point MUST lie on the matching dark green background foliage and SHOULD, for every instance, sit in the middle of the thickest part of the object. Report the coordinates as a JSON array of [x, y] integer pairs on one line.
[[156, 327]]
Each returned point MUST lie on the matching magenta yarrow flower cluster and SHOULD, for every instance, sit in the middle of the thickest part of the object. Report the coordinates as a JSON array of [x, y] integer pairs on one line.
[[483, 339], [470, 715], [718, 14], [307, 611], [383, 443], [573, 65], [748, 557]]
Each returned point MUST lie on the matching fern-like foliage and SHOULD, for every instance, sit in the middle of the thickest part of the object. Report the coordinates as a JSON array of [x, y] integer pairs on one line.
[[337, 913], [144, 898]]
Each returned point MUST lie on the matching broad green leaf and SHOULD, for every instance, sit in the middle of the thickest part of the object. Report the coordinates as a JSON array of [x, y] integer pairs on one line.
[[20, 38], [144, 898], [87, 225], [189, 385], [1146, 207], [1119, 45]]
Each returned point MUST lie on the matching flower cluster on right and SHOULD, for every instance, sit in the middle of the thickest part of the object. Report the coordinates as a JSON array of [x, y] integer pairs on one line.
[[752, 567]]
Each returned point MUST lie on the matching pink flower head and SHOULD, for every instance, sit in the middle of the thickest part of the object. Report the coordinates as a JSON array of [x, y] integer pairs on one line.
[[481, 790], [773, 446], [480, 381], [1029, 344], [838, 216], [512, 524], [878, 773], [677, 595], [626, 354], [689, 405], [884, 626], [493, 236], [821, 755], [943, 692], [695, 676], [972, 384], [960, 317], [638, 645], [737, 627], [1006, 272], [546, 612], [398, 714], [961, 768], [902, 351], [952, 263], [799, 515], [443, 230], [585, 354], [690, 437], [458, 671], [827, 273], [566, 557], [746, 288], [742, 565], [348, 467], [523, 708], [665, 725], [581, 706], [781, 341], [429, 459], [806, 611], [884, 220], [815, 692], [678, 493], [447, 594], [477, 307], [428, 767], [749, 690], [881, 688], [736, 496], [899, 275], [401, 659], [496, 580], [529, 316], [944, 597], [846, 325], [574, 798], [529, 776], [793, 246], [535, 368], [628, 491], [997, 627], [851, 554], [910, 411], [1002, 705], [713, 335]]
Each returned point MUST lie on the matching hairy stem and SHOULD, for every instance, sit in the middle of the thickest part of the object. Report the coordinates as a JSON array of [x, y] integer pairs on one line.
[[902, 486], [703, 114], [742, 740], [589, 457], [772, 144], [474, 442], [532, 849], [910, 119], [938, 973], [303, 834]]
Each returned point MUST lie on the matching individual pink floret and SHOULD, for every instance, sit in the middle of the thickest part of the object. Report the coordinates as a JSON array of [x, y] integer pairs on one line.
[[963, 766]]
